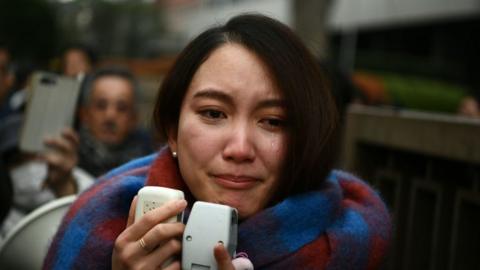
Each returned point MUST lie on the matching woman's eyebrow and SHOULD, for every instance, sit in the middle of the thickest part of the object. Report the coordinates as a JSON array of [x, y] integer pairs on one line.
[[268, 103], [225, 98], [214, 94]]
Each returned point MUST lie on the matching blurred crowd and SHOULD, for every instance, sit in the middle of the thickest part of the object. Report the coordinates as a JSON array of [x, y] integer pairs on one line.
[[104, 135]]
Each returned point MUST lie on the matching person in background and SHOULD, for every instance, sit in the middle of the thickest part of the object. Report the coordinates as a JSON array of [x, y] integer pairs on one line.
[[469, 107], [109, 133], [249, 124], [5, 78], [4, 55], [78, 60], [4, 87], [33, 179], [16, 100]]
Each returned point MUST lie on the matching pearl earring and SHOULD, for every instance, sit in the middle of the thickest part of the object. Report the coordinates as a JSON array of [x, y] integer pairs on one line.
[[174, 154]]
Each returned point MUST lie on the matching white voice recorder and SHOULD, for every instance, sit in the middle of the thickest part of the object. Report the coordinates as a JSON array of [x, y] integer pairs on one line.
[[151, 197], [208, 224]]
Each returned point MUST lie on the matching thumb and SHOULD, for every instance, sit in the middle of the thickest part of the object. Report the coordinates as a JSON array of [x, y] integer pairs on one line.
[[222, 257]]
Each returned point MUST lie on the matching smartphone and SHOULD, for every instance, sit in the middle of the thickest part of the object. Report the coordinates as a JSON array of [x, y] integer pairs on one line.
[[51, 104]]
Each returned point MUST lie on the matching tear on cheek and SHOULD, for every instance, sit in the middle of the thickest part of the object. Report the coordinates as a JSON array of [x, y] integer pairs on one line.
[[276, 146]]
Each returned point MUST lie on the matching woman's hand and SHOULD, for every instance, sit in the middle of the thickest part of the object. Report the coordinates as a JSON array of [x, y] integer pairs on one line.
[[222, 257], [225, 262], [149, 243], [61, 158]]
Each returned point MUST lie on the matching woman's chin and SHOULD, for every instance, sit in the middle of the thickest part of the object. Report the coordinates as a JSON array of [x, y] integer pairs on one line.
[[244, 211], [244, 207]]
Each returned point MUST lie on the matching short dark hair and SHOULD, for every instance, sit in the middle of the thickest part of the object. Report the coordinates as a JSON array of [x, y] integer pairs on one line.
[[114, 71], [311, 112], [89, 51]]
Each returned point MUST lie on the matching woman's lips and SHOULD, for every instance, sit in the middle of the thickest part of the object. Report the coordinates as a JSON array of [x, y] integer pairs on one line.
[[236, 182]]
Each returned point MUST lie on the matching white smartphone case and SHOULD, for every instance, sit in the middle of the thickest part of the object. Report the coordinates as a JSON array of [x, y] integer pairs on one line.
[[207, 225]]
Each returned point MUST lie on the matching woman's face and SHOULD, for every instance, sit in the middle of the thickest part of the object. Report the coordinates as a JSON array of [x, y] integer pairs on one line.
[[231, 135]]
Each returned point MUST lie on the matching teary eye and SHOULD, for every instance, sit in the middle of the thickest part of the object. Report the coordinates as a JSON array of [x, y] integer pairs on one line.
[[212, 114], [272, 124]]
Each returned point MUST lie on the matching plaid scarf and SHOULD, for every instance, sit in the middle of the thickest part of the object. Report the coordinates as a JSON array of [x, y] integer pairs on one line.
[[343, 225]]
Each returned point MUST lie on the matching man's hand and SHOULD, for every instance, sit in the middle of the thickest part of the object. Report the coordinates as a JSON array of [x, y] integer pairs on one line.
[[61, 158]]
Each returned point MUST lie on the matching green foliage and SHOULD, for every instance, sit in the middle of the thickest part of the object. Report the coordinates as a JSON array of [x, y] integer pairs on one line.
[[422, 94]]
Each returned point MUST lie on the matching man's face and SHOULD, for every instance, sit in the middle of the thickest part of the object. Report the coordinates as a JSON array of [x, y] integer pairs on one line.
[[109, 114]]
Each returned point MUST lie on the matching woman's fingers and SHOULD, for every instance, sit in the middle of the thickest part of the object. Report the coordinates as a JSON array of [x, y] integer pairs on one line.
[[175, 265], [161, 233], [154, 249], [165, 255], [222, 257]]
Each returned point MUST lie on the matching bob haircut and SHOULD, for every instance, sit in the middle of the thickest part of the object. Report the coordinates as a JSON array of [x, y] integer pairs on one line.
[[311, 111]]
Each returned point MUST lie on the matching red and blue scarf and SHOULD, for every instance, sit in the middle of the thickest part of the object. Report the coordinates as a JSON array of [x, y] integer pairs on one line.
[[344, 225]]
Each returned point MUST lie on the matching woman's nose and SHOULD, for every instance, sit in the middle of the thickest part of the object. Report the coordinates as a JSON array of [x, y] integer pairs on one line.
[[239, 145]]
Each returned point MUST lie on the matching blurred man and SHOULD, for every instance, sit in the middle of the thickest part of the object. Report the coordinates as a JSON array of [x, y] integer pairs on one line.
[[109, 135], [78, 61]]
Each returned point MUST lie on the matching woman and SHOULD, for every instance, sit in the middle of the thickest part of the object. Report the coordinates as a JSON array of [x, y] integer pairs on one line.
[[249, 124]]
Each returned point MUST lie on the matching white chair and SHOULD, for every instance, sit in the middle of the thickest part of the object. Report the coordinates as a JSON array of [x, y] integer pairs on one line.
[[26, 245]]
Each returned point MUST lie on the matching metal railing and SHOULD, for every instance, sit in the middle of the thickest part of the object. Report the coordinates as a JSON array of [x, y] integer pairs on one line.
[[426, 166]]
